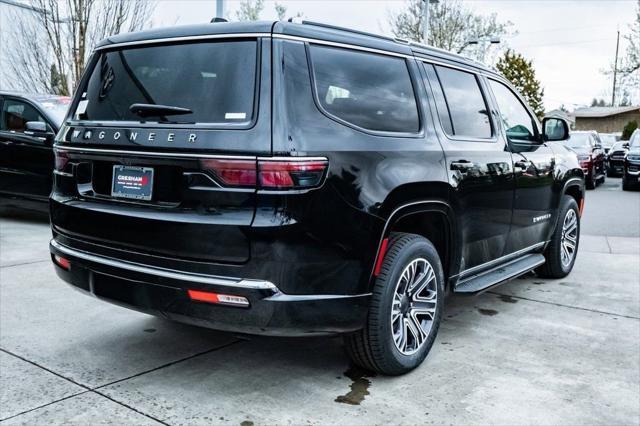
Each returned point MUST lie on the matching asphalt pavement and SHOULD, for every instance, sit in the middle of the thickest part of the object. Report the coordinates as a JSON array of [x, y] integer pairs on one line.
[[532, 351]]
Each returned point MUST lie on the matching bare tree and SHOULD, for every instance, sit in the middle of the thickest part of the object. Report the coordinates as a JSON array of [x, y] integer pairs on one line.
[[250, 10], [451, 24], [52, 43], [281, 11]]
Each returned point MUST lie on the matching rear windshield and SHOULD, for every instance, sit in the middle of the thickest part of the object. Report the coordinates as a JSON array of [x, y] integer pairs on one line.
[[579, 140], [215, 80]]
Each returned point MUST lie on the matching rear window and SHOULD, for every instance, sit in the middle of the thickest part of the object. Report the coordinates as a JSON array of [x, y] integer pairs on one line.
[[215, 80], [367, 90]]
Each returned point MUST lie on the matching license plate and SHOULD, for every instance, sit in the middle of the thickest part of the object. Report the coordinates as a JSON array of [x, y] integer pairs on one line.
[[132, 182]]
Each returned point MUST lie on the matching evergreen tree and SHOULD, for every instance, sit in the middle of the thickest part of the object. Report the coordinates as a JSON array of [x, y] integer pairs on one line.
[[520, 72]]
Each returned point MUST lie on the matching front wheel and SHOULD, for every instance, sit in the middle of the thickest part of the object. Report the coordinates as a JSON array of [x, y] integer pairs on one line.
[[405, 311], [562, 250]]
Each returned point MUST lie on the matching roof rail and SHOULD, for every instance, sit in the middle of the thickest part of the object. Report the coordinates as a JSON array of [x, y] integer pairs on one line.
[[350, 30]]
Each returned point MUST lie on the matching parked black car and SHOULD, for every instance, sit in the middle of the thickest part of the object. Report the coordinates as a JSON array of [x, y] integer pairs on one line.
[[590, 155], [309, 180], [615, 159], [631, 173], [28, 124]]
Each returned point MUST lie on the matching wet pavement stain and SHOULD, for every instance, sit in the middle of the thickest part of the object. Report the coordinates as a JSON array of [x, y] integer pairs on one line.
[[246, 423], [359, 387], [149, 330], [488, 312], [508, 299]]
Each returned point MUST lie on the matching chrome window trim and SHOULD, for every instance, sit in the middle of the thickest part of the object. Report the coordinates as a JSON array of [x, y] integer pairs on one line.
[[180, 39], [342, 45]]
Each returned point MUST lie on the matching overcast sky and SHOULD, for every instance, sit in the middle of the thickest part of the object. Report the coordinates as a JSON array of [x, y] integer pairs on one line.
[[569, 41]]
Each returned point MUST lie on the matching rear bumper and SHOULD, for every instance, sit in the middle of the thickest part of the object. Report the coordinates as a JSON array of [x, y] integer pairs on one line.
[[163, 292]]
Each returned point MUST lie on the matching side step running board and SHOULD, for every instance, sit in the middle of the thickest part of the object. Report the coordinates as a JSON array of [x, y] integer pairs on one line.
[[498, 275]]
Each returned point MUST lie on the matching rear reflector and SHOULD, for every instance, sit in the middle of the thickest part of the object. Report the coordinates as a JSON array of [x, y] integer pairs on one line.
[[268, 174], [61, 160], [62, 262], [221, 299], [581, 207], [381, 253]]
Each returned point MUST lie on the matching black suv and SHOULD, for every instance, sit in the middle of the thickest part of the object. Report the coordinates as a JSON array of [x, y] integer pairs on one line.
[[28, 124], [300, 179], [631, 171]]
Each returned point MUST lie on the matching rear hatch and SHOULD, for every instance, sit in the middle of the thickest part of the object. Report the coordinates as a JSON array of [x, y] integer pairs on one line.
[[159, 153]]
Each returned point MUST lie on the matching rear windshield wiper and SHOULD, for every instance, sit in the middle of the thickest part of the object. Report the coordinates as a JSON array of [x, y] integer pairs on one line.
[[153, 110]]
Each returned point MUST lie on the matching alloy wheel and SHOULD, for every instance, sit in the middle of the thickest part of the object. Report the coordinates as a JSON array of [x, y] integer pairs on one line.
[[569, 239], [414, 306]]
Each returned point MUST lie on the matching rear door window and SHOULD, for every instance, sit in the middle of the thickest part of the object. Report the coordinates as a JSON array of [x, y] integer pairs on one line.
[[215, 80], [468, 114], [367, 90]]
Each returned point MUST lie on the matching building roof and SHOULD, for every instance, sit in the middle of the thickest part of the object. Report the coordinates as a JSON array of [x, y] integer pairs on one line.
[[601, 112], [558, 113]]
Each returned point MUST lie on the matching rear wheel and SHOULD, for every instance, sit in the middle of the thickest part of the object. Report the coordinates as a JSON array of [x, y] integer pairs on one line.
[[405, 311], [562, 250], [590, 181], [625, 184]]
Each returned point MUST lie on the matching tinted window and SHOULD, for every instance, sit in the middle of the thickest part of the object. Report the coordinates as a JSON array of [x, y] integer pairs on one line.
[[467, 109], [16, 114], [515, 118], [216, 81], [370, 91]]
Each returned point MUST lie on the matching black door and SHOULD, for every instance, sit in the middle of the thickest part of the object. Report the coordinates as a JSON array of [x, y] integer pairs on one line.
[[478, 162], [534, 166], [26, 161]]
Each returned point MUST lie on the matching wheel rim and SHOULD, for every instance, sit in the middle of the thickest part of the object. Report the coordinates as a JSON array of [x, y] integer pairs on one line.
[[414, 306], [569, 239]]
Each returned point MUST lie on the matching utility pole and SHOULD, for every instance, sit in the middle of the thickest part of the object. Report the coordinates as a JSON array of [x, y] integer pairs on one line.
[[425, 19], [615, 71], [219, 8]]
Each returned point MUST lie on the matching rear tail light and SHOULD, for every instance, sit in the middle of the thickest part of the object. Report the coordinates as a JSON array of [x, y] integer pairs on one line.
[[237, 173], [61, 160], [62, 262], [268, 174], [291, 174], [217, 298]]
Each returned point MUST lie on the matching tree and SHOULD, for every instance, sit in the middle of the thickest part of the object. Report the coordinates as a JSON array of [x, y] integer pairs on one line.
[[250, 10], [628, 130], [50, 45], [631, 62], [281, 11], [598, 102], [451, 24], [522, 75]]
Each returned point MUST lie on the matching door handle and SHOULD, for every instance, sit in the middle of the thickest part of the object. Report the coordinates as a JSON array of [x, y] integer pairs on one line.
[[461, 165], [521, 165]]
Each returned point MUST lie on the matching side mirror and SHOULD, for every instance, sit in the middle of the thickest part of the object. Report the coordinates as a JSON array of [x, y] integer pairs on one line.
[[38, 129], [555, 129], [625, 145]]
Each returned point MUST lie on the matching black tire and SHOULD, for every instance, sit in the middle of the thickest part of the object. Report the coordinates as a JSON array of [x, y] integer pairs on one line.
[[373, 347], [590, 181], [554, 266], [625, 185]]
